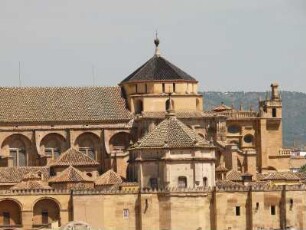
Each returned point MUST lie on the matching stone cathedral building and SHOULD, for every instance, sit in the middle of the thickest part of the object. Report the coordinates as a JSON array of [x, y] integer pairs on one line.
[[144, 155]]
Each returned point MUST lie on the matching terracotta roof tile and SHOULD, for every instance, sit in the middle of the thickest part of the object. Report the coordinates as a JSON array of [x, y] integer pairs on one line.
[[70, 174], [234, 175], [47, 104], [75, 158], [171, 133], [109, 178], [289, 176], [16, 174], [222, 108], [227, 183], [179, 114], [30, 184]]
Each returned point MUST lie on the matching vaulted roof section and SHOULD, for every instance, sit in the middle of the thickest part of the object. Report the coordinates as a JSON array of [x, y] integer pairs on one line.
[[172, 133], [158, 69], [75, 158], [62, 104]]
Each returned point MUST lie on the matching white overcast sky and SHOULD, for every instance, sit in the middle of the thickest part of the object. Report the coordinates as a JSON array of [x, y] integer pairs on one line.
[[227, 45]]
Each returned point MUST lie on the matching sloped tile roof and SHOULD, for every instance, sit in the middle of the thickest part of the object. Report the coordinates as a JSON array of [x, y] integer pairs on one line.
[[109, 178], [158, 69], [221, 108], [30, 184], [70, 174], [221, 168], [227, 183], [47, 104], [281, 176], [16, 174], [31, 176], [75, 158], [234, 175], [180, 114], [171, 133]]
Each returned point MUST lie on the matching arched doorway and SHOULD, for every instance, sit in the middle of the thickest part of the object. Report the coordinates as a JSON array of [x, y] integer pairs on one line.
[[10, 214], [53, 145], [45, 212]]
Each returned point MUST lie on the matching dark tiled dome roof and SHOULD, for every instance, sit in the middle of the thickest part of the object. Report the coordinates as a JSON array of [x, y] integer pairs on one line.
[[158, 69]]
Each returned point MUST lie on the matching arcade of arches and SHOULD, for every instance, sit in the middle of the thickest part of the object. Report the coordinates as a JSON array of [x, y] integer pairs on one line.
[[19, 150], [43, 212]]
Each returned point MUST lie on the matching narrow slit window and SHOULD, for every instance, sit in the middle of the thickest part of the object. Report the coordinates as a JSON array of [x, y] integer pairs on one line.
[[273, 210], [237, 210]]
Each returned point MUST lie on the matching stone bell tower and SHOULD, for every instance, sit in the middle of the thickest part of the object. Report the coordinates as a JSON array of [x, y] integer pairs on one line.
[[271, 156]]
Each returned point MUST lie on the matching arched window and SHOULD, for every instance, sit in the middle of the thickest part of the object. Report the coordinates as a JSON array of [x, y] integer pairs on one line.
[[120, 141], [168, 104], [53, 145], [88, 144], [205, 181], [16, 147], [138, 107]]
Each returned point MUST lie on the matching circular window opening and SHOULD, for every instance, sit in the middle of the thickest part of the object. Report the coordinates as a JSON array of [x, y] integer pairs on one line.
[[233, 129], [89, 174], [248, 138]]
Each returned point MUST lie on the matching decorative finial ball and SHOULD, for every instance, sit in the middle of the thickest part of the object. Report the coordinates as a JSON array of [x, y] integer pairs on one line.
[[156, 42]]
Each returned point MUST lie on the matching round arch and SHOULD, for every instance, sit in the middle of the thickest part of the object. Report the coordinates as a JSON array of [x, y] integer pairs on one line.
[[10, 212], [270, 168], [53, 144], [18, 146], [89, 144], [46, 211], [120, 141]]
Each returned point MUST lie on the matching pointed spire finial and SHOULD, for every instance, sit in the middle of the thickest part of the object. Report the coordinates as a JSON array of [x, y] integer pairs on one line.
[[156, 42]]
